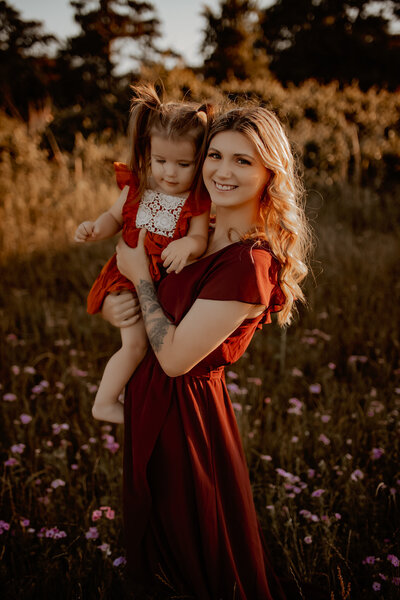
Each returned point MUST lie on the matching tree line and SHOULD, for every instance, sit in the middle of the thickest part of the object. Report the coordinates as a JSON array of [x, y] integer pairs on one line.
[[290, 41]]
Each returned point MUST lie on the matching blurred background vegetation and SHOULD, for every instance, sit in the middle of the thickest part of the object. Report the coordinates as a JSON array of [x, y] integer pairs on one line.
[[319, 405]]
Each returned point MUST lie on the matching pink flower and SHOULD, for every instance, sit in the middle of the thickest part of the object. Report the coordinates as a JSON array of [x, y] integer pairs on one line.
[[16, 370], [236, 406], [74, 467], [25, 419], [317, 493], [110, 514], [92, 534], [357, 475], [255, 380], [110, 443], [18, 448], [296, 372], [9, 397], [331, 366], [105, 548], [232, 375], [308, 539], [315, 388], [354, 358], [338, 516], [4, 527], [377, 453], [393, 559], [30, 370], [25, 522], [233, 387], [311, 473], [296, 406], [376, 586], [369, 560], [325, 418], [325, 440], [57, 483], [75, 372], [266, 457], [96, 515]]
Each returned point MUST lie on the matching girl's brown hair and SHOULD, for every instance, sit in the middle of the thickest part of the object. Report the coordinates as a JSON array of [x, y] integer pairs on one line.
[[175, 120], [285, 226]]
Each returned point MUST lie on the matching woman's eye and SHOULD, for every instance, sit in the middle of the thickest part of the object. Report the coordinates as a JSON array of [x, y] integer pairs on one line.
[[243, 161], [213, 155]]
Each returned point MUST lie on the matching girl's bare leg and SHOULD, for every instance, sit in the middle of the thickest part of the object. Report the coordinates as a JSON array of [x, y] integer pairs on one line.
[[117, 373]]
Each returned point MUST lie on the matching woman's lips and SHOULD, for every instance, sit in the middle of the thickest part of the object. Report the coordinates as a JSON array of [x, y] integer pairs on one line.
[[224, 187]]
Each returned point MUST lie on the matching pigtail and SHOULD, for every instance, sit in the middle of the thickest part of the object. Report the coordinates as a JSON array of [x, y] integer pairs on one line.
[[145, 104]]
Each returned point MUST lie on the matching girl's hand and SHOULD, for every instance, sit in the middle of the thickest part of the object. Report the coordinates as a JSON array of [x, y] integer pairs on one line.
[[121, 309], [176, 254], [86, 232], [133, 262]]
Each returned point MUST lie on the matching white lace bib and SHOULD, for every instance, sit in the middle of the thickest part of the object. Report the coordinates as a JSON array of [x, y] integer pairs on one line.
[[159, 212]]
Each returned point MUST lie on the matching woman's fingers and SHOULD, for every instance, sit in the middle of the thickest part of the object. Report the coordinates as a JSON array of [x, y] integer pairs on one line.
[[121, 309]]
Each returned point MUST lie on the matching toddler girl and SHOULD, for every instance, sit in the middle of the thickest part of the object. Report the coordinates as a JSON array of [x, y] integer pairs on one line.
[[157, 194]]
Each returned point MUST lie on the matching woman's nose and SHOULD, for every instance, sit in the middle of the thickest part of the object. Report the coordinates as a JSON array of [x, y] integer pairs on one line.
[[224, 169]]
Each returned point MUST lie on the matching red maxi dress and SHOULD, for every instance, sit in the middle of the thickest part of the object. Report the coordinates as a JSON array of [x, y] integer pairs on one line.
[[188, 508], [171, 223]]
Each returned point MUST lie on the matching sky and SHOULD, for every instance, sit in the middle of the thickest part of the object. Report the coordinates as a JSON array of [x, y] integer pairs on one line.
[[181, 21]]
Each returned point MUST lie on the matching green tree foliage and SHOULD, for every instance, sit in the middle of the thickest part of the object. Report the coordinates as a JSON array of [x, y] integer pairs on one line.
[[229, 42], [25, 71], [342, 40], [87, 63], [89, 92]]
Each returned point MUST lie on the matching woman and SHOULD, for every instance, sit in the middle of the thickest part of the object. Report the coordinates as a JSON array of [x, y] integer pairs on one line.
[[189, 514]]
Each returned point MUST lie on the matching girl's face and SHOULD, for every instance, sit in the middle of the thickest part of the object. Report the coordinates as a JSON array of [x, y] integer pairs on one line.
[[233, 172], [172, 164]]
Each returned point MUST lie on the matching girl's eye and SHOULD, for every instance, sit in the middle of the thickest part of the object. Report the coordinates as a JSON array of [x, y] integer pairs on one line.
[[184, 164], [160, 161]]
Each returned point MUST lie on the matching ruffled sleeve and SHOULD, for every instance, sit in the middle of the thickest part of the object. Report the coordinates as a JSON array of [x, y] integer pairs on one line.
[[124, 175], [246, 274], [196, 204]]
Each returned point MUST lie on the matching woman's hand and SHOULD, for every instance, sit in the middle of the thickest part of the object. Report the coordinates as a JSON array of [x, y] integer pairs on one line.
[[133, 262], [121, 309]]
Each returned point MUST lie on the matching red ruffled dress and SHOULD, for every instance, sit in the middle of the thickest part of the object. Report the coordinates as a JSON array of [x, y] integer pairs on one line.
[[188, 508], [167, 218]]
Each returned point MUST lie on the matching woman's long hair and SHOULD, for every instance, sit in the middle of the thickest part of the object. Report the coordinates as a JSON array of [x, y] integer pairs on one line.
[[281, 203]]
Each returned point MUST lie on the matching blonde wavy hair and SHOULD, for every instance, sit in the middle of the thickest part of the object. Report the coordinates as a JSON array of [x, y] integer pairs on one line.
[[285, 226]]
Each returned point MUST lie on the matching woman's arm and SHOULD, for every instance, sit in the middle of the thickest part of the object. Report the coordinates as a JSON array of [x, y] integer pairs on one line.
[[106, 225], [194, 244], [207, 324]]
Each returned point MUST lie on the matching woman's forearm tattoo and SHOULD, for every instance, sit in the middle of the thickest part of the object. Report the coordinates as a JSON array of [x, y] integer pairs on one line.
[[155, 321]]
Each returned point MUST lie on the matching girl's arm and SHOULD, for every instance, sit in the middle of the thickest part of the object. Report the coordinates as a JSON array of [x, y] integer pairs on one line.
[[106, 225], [193, 245], [207, 324]]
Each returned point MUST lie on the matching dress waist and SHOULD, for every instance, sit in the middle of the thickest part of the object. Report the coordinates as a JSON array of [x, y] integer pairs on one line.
[[206, 372]]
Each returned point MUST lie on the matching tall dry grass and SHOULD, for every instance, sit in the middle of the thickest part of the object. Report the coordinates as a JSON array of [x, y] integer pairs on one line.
[[318, 406]]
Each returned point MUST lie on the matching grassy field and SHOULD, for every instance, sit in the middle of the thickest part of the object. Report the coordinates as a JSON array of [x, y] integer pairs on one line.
[[318, 406]]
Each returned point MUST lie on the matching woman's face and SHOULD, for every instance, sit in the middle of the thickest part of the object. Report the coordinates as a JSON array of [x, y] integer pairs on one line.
[[233, 172]]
